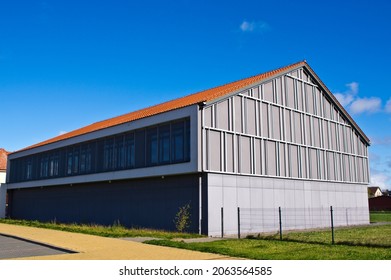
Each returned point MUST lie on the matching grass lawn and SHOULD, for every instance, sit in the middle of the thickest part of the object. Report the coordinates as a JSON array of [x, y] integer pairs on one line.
[[380, 216], [369, 236], [106, 231], [358, 243], [282, 250], [354, 243]]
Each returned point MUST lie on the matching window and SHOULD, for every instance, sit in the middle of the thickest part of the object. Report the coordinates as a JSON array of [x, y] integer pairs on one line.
[[129, 151], [164, 144], [69, 161], [140, 148], [29, 169], [88, 163], [119, 147], [76, 153], [187, 140], [177, 142], [156, 145], [108, 154], [152, 147], [83, 158], [53, 165], [44, 166]]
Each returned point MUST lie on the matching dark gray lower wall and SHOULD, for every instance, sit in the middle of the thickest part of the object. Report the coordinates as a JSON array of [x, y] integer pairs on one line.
[[150, 203]]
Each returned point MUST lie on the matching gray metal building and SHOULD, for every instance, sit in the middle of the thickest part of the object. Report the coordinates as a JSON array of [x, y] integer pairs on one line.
[[278, 139]]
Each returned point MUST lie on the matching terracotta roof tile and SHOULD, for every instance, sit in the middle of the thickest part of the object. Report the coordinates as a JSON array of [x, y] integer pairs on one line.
[[203, 96], [3, 159]]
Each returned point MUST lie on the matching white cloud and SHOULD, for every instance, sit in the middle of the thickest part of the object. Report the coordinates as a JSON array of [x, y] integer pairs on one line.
[[247, 26], [344, 99], [381, 179], [62, 132], [353, 87], [386, 140], [388, 106], [254, 26], [365, 105], [347, 97], [350, 100]]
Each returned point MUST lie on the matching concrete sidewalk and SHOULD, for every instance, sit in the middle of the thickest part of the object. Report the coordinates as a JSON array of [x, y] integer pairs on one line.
[[90, 247]]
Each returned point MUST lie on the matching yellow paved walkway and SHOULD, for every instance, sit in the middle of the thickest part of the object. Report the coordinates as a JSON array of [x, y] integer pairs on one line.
[[100, 248]]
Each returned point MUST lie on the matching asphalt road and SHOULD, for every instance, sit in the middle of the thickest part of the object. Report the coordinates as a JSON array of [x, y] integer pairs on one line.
[[11, 247]]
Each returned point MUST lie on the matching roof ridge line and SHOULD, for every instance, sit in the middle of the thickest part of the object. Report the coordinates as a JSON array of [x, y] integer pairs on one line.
[[176, 103]]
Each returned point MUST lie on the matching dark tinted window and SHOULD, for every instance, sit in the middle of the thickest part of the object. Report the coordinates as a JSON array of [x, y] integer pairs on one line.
[[161, 144]]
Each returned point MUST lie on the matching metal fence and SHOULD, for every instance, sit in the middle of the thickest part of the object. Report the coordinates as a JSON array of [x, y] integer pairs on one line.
[[278, 220]]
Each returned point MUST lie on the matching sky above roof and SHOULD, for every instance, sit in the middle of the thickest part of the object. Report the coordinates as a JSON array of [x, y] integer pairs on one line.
[[67, 64]]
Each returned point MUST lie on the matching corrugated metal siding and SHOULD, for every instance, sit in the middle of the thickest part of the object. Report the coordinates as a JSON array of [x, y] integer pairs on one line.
[[303, 134], [149, 203]]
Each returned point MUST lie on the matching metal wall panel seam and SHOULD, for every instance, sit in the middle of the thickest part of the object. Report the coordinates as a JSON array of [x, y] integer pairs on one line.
[[282, 141], [296, 96], [301, 80], [281, 123], [293, 109], [266, 154], [325, 165], [252, 155], [269, 129], [234, 141], [222, 151], [257, 117], [285, 177], [242, 114], [239, 151], [225, 151], [229, 100], [207, 149], [203, 144], [288, 172], [200, 204], [300, 171], [255, 155], [277, 154]]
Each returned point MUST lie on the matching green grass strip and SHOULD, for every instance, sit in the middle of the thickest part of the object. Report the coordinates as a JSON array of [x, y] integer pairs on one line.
[[380, 216], [281, 250], [115, 230]]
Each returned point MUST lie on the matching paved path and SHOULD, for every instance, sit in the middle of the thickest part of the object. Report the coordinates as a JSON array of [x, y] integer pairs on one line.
[[100, 248], [186, 240], [11, 247]]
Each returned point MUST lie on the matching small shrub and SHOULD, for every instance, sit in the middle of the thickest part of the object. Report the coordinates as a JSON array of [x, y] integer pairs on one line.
[[182, 218], [117, 224]]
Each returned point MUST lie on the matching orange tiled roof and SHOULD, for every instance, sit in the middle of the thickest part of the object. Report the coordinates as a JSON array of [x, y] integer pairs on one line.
[[3, 159], [203, 96]]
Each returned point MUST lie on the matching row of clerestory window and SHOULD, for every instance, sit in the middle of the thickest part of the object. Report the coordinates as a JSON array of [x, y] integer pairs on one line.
[[162, 144]]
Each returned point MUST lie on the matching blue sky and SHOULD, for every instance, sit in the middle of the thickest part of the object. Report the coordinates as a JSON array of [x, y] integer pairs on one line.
[[66, 64]]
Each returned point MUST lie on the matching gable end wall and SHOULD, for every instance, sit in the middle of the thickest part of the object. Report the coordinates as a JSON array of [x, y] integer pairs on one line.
[[285, 127]]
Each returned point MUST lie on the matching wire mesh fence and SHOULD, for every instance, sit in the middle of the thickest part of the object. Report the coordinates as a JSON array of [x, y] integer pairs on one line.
[[278, 220]]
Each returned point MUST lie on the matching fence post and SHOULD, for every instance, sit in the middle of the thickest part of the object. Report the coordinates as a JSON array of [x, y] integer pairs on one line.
[[332, 225], [222, 222], [280, 221], [238, 222]]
